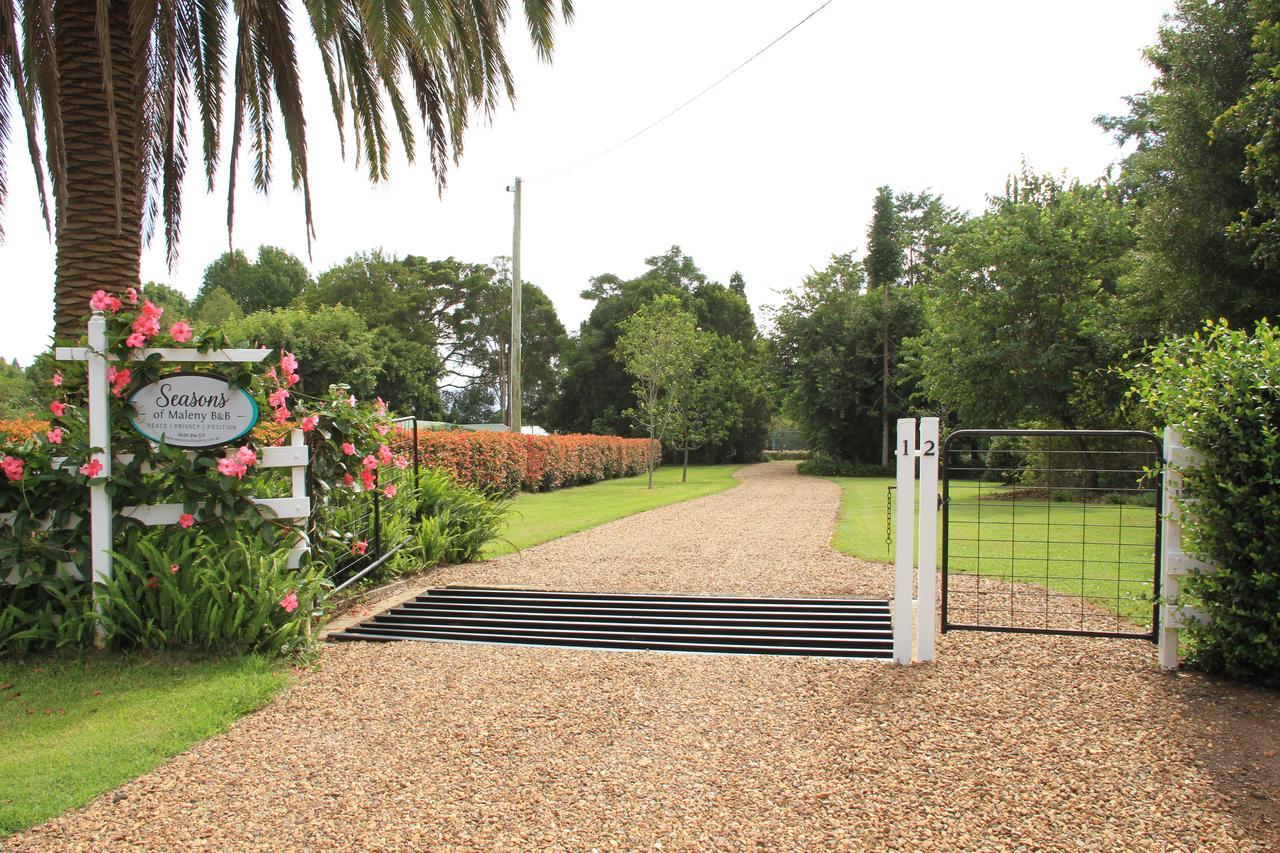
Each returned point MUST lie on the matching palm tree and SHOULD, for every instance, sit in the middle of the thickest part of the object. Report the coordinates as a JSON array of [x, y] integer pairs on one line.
[[105, 90]]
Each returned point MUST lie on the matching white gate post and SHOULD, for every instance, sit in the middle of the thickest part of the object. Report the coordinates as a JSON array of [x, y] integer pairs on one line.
[[927, 580], [100, 438], [904, 533]]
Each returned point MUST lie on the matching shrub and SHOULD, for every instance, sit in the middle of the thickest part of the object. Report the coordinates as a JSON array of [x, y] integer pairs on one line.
[[1219, 387], [822, 465], [781, 455], [456, 521], [189, 590]]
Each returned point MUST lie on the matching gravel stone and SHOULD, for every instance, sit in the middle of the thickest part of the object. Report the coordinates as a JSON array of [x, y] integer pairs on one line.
[[1006, 742]]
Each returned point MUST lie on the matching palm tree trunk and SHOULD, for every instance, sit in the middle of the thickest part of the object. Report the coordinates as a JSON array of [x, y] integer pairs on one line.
[[99, 243]]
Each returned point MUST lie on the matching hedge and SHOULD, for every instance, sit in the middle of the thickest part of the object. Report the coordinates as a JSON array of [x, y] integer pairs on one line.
[[504, 463], [1219, 386]]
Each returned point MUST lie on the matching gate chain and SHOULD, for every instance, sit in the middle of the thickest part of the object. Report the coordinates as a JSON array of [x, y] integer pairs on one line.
[[888, 518]]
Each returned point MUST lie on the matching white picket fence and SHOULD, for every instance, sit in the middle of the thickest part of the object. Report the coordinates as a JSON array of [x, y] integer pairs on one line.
[[294, 456]]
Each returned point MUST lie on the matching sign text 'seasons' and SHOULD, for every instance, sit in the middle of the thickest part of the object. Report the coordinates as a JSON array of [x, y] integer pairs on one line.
[[192, 410]]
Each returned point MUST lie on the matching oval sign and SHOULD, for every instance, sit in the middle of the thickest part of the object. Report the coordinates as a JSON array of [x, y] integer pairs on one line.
[[192, 410]]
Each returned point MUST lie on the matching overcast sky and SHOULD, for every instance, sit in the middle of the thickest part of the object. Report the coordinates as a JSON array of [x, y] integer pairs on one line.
[[770, 173]]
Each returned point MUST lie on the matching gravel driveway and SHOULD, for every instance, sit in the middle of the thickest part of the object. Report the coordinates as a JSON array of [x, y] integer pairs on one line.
[[1007, 741]]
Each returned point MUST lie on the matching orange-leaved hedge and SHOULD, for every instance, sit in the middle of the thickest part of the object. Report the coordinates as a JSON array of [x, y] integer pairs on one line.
[[503, 462], [18, 430]]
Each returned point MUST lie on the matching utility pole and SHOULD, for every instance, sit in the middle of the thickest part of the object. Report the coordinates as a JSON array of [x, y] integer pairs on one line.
[[514, 383]]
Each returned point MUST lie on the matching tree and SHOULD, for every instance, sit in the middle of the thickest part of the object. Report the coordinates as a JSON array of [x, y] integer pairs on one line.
[[927, 225], [473, 404], [105, 86], [332, 343], [218, 308], [1186, 176], [829, 358], [16, 399], [417, 308], [486, 345], [1253, 120], [659, 347], [884, 268], [720, 388], [174, 302], [595, 390], [1021, 325], [274, 280]]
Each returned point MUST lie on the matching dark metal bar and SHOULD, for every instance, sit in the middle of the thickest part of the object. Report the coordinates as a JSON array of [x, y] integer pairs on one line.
[[375, 564]]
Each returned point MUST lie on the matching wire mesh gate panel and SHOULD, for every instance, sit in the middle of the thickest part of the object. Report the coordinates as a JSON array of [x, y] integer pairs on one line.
[[1051, 532]]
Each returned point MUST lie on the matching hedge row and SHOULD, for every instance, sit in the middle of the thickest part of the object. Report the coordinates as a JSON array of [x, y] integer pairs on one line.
[[504, 463]]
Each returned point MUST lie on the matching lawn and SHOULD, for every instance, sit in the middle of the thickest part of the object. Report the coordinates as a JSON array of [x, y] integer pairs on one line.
[[73, 727], [1102, 552], [543, 516]]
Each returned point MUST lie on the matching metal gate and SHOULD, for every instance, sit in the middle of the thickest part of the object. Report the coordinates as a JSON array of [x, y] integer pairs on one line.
[[1051, 532]]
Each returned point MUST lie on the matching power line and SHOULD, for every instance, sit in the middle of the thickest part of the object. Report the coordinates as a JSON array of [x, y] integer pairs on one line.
[[668, 115]]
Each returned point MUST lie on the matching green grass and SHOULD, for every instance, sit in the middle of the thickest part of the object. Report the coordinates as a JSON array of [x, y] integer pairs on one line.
[[541, 517], [73, 728], [1103, 552]]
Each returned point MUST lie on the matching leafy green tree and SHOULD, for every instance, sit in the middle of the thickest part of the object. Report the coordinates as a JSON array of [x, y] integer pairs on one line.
[[1020, 326], [1186, 176], [16, 397], [884, 269], [1253, 119], [218, 308], [274, 280], [418, 309], [829, 358], [659, 346], [485, 336], [472, 404], [332, 342], [595, 391], [724, 391], [175, 303], [927, 226], [107, 87]]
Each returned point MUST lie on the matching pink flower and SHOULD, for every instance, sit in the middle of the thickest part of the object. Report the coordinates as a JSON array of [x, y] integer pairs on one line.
[[247, 457], [289, 602], [186, 521], [292, 379], [309, 423], [173, 570], [137, 339], [132, 293], [277, 398], [103, 301], [12, 467], [348, 480], [366, 477], [91, 469], [390, 491], [348, 448], [351, 401], [153, 582], [57, 378], [380, 406], [180, 331], [229, 467], [58, 408], [359, 547], [402, 461], [271, 374], [54, 435], [151, 311], [148, 323], [288, 362], [383, 429], [384, 454], [282, 415], [369, 462], [119, 379]]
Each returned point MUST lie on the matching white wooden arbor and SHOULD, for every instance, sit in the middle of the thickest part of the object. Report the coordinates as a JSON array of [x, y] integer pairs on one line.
[[294, 456]]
